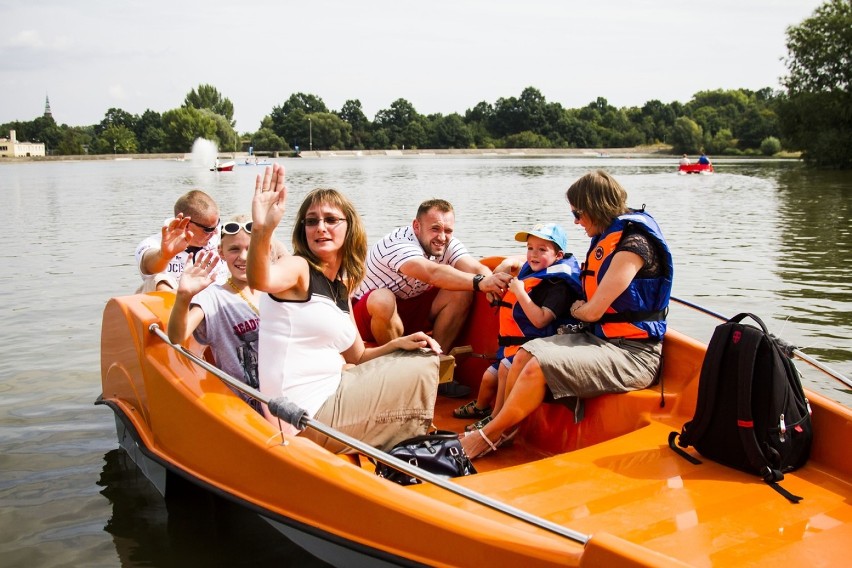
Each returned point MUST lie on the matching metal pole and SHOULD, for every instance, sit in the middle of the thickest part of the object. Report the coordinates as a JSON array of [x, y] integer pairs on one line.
[[310, 135], [806, 358], [381, 456]]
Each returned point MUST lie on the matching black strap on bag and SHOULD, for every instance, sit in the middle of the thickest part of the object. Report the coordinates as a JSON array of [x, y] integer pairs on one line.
[[439, 452], [745, 420]]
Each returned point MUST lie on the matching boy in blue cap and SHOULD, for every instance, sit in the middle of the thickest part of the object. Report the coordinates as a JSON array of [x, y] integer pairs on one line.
[[538, 299]]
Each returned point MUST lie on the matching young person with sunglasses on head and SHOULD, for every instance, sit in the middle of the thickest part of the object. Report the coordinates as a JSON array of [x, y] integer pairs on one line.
[[224, 316], [421, 278], [161, 257], [627, 282], [310, 349]]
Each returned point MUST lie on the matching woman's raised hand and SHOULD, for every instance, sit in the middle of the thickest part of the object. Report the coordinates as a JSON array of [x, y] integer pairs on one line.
[[267, 206]]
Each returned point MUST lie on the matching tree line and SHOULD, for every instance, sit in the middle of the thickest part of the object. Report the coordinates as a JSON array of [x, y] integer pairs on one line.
[[812, 116], [731, 122]]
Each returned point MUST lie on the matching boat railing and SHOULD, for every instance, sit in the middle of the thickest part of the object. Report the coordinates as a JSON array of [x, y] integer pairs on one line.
[[299, 418], [795, 351]]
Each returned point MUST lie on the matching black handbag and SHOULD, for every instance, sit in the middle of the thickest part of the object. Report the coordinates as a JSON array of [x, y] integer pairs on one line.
[[438, 452]]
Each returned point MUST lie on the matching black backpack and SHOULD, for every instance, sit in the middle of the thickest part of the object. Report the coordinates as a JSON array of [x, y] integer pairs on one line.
[[751, 412]]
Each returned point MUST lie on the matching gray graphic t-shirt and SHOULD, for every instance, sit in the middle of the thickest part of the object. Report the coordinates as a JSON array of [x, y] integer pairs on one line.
[[230, 327]]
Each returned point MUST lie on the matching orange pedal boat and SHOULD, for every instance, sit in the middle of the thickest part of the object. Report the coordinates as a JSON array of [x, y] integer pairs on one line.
[[607, 491]]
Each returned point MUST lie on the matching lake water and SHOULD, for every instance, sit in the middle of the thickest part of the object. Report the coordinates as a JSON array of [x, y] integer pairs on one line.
[[768, 237]]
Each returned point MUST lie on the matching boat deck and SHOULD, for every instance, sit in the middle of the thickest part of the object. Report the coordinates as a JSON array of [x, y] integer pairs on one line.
[[636, 488]]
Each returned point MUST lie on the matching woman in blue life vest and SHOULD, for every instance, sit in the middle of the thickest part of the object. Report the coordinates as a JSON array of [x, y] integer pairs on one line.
[[627, 280]]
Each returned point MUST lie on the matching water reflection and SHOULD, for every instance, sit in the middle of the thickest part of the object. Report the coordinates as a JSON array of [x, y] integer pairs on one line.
[[816, 241], [190, 528]]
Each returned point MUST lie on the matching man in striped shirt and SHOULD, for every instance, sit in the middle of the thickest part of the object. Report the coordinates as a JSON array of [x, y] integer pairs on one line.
[[421, 278]]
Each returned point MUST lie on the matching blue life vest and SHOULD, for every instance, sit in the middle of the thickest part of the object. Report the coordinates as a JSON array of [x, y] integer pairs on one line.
[[640, 311]]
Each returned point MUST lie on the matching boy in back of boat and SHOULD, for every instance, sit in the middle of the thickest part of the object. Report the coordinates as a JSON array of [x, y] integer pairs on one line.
[[545, 284], [223, 316]]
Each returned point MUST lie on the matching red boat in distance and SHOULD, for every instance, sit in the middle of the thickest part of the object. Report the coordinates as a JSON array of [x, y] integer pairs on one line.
[[695, 169], [223, 167]]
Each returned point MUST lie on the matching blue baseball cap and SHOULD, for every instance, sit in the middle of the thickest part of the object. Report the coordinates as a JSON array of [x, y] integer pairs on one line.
[[547, 231]]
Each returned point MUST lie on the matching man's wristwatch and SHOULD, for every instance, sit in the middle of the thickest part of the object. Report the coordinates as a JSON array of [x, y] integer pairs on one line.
[[476, 280]]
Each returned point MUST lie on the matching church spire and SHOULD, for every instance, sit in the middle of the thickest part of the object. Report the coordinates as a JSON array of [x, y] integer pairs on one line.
[[47, 113]]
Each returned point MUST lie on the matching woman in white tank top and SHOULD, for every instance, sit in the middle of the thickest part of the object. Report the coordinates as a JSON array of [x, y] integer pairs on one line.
[[308, 334]]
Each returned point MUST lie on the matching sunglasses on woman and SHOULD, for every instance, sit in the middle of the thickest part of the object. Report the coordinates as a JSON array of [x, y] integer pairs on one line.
[[329, 221], [232, 228]]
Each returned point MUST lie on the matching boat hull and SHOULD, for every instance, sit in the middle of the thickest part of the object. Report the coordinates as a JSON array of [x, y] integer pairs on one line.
[[695, 169], [224, 167]]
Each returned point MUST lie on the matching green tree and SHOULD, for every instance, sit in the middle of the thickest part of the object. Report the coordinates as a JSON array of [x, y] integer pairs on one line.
[[770, 146], [265, 139], [395, 121], [352, 113], [527, 139], [226, 136], [182, 126], [116, 140], [116, 117], [208, 97], [687, 136], [816, 115], [329, 131], [149, 132], [451, 132], [73, 143], [290, 120]]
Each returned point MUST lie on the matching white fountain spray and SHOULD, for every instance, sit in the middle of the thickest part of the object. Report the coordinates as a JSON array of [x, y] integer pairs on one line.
[[204, 153]]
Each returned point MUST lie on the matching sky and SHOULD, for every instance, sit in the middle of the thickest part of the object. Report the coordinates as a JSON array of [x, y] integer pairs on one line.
[[442, 56]]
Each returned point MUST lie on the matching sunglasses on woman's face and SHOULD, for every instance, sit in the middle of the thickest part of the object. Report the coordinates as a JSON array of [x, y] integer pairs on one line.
[[233, 228], [205, 228], [576, 214], [330, 222]]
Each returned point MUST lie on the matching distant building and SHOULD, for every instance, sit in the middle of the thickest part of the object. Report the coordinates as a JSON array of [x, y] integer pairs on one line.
[[11, 148], [47, 111]]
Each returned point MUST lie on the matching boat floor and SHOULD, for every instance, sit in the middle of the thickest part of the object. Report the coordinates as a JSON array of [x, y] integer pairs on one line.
[[635, 487]]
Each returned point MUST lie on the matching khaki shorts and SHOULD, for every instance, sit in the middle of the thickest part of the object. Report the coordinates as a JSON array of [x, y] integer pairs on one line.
[[381, 402], [584, 365]]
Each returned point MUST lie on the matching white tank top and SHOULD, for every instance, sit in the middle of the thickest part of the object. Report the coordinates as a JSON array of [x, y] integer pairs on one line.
[[299, 351]]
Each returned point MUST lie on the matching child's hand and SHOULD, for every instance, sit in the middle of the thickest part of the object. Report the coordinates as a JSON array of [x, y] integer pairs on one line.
[[516, 287], [198, 273]]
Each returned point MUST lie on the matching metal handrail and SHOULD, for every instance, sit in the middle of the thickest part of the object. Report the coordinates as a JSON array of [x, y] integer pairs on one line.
[[806, 358], [379, 455]]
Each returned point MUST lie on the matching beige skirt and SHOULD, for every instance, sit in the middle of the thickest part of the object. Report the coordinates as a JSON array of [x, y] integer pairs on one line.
[[583, 365], [381, 402]]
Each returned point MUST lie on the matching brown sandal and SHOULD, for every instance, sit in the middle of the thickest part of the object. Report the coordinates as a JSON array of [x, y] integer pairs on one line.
[[470, 410]]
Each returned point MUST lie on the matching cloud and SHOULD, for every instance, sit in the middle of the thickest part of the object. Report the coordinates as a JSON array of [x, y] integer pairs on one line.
[[117, 92], [32, 40]]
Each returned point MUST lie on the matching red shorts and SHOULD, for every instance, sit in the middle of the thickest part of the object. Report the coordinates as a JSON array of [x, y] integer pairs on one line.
[[413, 312]]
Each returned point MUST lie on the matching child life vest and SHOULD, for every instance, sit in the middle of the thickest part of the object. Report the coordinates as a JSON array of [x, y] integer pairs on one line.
[[515, 327]]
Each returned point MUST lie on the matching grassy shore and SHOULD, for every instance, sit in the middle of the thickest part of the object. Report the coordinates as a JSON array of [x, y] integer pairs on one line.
[[655, 151]]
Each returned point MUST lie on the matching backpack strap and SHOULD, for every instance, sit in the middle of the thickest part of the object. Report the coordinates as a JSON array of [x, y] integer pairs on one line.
[[750, 345], [708, 385]]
